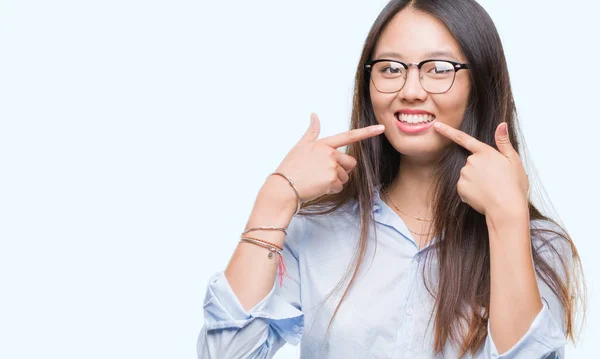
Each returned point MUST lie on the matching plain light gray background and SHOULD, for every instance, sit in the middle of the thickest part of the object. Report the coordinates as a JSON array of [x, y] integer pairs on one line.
[[135, 135]]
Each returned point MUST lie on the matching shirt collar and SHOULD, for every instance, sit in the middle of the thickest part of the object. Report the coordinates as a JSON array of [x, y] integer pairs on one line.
[[376, 206]]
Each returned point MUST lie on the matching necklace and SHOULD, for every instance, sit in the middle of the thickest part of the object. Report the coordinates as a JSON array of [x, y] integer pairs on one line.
[[387, 195], [419, 234]]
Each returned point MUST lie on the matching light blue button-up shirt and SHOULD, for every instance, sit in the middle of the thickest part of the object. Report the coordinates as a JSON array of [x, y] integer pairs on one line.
[[386, 313]]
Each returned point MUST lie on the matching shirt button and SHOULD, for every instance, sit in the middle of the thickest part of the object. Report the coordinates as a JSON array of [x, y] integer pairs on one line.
[[409, 311], [296, 329]]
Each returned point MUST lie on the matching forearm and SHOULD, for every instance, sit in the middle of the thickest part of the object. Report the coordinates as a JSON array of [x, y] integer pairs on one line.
[[514, 294], [250, 273]]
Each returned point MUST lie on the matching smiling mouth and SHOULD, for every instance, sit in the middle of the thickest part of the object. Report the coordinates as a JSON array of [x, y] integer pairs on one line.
[[413, 119]]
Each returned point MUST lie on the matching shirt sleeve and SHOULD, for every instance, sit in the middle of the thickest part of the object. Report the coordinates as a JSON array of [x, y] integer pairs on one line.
[[229, 331], [546, 335]]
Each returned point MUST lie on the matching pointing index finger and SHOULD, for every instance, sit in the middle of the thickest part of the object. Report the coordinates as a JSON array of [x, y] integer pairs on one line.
[[464, 140], [348, 137]]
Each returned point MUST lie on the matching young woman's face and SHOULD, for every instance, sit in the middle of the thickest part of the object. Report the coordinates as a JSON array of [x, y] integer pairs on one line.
[[415, 36]]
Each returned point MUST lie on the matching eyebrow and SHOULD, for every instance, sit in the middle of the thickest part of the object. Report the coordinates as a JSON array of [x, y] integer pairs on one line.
[[428, 55]]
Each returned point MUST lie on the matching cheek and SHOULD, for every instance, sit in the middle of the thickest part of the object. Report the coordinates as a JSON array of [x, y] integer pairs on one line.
[[380, 101], [452, 107], [377, 100]]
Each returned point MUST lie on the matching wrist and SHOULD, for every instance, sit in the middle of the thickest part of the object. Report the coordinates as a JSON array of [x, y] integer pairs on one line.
[[507, 216], [273, 206], [277, 188], [509, 207]]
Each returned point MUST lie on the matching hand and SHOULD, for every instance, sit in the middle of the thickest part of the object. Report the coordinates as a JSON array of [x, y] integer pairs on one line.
[[316, 166], [492, 179]]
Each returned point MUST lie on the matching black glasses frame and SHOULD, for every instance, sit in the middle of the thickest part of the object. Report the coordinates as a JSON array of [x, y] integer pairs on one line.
[[457, 66]]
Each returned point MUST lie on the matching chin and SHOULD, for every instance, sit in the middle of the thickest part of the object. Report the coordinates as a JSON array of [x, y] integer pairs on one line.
[[423, 151]]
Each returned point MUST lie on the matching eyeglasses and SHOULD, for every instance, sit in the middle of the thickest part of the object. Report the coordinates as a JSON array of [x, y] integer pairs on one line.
[[435, 76]]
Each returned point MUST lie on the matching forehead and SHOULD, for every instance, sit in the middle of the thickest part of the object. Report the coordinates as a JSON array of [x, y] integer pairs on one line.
[[414, 34]]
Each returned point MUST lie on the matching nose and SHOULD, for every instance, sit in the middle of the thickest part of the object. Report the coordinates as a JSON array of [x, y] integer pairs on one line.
[[412, 90]]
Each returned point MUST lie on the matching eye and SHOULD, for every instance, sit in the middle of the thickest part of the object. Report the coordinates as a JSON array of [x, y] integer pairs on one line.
[[389, 70], [440, 70], [392, 70]]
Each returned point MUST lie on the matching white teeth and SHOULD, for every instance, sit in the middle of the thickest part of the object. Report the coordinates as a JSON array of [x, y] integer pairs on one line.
[[415, 118]]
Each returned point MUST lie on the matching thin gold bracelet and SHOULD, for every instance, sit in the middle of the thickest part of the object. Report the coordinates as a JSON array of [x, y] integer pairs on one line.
[[293, 187], [284, 230]]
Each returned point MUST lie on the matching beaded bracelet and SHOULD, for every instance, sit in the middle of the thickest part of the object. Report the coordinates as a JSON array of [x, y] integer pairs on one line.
[[272, 249], [264, 242]]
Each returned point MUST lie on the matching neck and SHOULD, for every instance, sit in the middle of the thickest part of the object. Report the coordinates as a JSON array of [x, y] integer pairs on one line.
[[411, 188]]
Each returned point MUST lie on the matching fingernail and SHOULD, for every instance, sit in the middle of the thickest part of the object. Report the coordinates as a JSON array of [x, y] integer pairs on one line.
[[506, 129], [437, 125], [378, 128]]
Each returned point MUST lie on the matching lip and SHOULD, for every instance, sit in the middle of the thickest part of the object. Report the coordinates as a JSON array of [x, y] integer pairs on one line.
[[413, 129]]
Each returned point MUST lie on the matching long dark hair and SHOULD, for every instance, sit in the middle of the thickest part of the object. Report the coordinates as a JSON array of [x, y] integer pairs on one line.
[[463, 288]]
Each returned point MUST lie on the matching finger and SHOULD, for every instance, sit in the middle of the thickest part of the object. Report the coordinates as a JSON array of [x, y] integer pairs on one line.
[[503, 141], [342, 175], [348, 137], [461, 138], [346, 161], [314, 129]]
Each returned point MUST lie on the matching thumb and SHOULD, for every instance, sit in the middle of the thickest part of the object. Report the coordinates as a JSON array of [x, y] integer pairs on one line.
[[314, 129], [503, 140]]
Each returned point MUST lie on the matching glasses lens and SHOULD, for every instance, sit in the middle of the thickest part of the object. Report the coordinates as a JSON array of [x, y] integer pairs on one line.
[[388, 76], [437, 76]]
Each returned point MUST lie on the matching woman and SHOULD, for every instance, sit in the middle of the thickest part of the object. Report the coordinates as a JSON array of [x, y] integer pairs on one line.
[[420, 240]]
